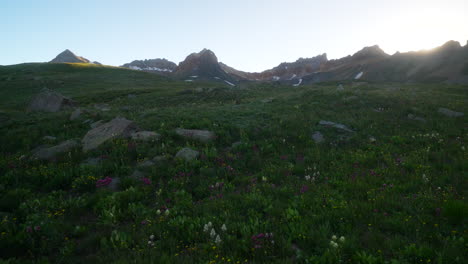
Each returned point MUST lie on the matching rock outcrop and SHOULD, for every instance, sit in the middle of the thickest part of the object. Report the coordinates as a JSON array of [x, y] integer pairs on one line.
[[116, 128], [49, 101]]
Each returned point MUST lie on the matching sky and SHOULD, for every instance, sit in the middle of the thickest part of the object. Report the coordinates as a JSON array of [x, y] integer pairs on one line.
[[249, 35]]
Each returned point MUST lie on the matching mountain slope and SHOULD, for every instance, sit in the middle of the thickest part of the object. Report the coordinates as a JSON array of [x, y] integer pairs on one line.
[[152, 65]]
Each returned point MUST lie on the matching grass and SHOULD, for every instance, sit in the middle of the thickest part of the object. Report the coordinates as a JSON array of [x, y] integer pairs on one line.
[[400, 199]]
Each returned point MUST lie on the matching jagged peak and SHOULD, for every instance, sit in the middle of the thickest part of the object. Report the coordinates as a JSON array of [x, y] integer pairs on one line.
[[370, 51]]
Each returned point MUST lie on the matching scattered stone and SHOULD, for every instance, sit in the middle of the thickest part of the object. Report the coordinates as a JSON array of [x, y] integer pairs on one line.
[[187, 154], [450, 113], [131, 96], [267, 100], [146, 163], [335, 125], [116, 128], [96, 124], [159, 159], [416, 118], [372, 140], [76, 114], [49, 153], [49, 101], [200, 135], [49, 138], [340, 88], [114, 184], [102, 107], [145, 135], [318, 137], [92, 161], [137, 174], [236, 144]]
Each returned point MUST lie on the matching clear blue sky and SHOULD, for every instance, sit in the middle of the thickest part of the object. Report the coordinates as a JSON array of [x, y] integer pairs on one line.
[[250, 35]]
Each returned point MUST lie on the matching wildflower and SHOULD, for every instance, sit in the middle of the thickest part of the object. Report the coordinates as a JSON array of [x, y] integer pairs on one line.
[[342, 239], [37, 228], [152, 237], [224, 228], [212, 233], [144, 222], [264, 178], [425, 178], [29, 229], [307, 177], [166, 212], [304, 189], [158, 212], [333, 237], [333, 244], [218, 239], [103, 182], [146, 181]]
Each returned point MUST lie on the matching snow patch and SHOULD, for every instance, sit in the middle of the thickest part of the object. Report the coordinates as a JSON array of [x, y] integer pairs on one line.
[[135, 68], [194, 76], [276, 78], [217, 78], [359, 75], [293, 76], [230, 83], [299, 83], [189, 80], [149, 69]]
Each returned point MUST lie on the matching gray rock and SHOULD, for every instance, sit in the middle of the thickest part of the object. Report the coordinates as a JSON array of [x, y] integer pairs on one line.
[[335, 125], [372, 140], [76, 114], [131, 96], [114, 185], [267, 100], [416, 118], [49, 138], [92, 161], [116, 128], [137, 174], [318, 137], [159, 159], [187, 154], [204, 136], [96, 124], [450, 113], [236, 144], [145, 135], [49, 101], [50, 153], [102, 107], [146, 163]]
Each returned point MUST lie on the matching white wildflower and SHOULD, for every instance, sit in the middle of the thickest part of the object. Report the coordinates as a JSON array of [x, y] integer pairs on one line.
[[213, 233], [264, 178], [333, 237], [224, 228], [333, 244], [425, 178], [218, 239], [307, 177], [152, 237], [158, 212], [167, 212], [342, 239]]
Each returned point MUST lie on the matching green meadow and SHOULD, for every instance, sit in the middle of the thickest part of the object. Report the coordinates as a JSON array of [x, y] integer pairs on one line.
[[391, 190]]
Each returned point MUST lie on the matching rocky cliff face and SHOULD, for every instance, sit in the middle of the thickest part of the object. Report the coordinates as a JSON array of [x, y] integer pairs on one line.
[[69, 57], [152, 65], [202, 65]]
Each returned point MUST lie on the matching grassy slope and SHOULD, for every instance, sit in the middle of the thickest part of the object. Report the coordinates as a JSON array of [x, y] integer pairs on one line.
[[264, 192]]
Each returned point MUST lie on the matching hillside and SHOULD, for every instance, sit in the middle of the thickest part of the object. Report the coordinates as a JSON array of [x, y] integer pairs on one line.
[[146, 169]]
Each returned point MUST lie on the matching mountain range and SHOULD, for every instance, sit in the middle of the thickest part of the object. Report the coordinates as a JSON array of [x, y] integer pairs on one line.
[[447, 63]]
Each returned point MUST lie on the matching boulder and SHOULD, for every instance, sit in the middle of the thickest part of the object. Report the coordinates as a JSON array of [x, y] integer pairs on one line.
[[450, 113], [96, 124], [204, 136], [76, 114], [146, 163], [49, 138], [145, 135], [335, 125], [116, 128], [50, 153], [318, 137], [187, 154], [416, 118], [49, 101]]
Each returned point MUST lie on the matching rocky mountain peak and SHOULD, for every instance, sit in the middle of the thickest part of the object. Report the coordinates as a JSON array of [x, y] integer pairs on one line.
[[371, 51], [69, 57]]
